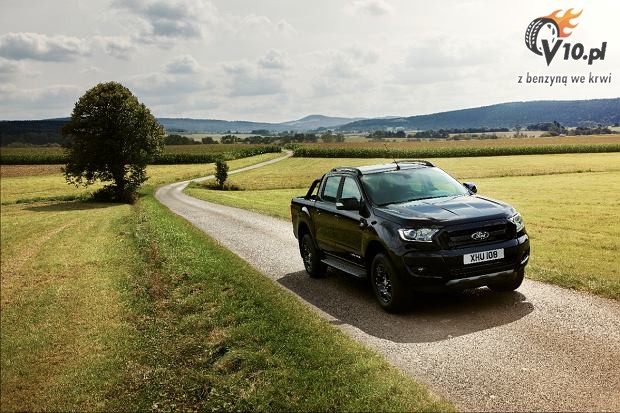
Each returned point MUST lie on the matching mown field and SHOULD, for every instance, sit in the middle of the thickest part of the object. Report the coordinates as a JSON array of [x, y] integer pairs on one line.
[[109, 307], [569, 202], [28, 183], [172, 154]]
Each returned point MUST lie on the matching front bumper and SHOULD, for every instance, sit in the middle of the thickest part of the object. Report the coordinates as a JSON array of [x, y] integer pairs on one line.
[[444, 270]]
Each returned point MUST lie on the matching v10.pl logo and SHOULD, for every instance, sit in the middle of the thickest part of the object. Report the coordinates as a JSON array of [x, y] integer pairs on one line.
[[545, 37]]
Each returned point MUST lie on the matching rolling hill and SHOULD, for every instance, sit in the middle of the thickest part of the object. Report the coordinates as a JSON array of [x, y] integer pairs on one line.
[[504, 115]]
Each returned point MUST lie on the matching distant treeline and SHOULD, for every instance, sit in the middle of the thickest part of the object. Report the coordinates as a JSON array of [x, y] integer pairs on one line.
[[31, 132], [280, 139], [555, 129], [379, 135]]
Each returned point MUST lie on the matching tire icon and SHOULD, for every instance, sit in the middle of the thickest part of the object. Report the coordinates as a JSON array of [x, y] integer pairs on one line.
[[538, 30]]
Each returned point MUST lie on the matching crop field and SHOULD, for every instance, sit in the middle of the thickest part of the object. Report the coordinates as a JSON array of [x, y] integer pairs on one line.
[[27, 183], [569, 203], [109, 307], [172, 154], [461, 148], [469, 143], [412, 151]]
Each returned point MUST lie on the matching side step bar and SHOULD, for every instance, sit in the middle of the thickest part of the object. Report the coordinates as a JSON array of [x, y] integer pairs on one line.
[[345, 266]]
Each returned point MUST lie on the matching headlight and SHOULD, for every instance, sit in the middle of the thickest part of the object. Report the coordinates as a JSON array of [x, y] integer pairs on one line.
[[420, 234], [518, 221]]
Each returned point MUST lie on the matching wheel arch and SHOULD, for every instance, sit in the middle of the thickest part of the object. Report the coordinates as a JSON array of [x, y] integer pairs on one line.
[[373, 248], [302, 229]]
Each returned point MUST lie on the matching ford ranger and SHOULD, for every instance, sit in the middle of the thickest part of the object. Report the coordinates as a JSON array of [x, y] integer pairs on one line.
[[409, 226]]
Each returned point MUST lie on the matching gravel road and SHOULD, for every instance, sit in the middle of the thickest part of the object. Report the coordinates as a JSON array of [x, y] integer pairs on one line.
[[540, 348]]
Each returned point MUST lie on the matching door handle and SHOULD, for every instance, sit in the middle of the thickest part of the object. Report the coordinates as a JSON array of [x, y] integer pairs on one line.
[[363, 223]]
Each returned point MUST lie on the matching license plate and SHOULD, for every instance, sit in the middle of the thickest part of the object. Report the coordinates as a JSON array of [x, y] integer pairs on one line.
[[483, 256]]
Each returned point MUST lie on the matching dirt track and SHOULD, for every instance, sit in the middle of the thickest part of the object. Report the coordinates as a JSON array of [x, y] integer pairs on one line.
[[539, 348]]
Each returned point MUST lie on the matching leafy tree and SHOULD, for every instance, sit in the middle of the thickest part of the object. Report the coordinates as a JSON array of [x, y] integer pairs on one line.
[[176, 139], [229, 139], [111, 137], [208, 140], [221, 173]]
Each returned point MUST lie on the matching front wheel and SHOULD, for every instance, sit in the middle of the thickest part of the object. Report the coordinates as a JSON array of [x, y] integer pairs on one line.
[[388, 288], [310, 256], [509, 285]]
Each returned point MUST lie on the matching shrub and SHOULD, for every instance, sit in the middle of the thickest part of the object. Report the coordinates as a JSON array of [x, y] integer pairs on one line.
[[221, 173]]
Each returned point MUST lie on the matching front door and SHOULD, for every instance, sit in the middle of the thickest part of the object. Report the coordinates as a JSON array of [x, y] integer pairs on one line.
[[348, 230]]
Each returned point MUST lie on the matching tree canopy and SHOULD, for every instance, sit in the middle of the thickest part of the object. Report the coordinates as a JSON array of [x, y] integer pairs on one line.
[[111, 138]]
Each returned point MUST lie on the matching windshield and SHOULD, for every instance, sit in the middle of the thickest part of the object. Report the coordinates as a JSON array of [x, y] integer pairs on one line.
[[411, 185]]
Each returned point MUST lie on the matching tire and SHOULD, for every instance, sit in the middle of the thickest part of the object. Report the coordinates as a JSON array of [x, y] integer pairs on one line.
[[509, 285], [388, 288], [309, 254], [533, 30]]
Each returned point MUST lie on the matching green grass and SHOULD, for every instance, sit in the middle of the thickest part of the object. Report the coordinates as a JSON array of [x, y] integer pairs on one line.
[[52, 186], [570, 214], [112, 307], [64, 335], [222, 336], [299, 173]]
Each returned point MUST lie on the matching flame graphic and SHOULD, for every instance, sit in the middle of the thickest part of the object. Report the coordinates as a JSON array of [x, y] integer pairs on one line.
[[564, 21]]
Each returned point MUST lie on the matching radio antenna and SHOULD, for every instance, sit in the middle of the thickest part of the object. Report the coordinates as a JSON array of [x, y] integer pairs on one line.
[[387, 153]]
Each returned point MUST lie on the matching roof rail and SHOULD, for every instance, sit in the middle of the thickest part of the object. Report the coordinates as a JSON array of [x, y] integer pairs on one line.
[[346, 169], [418, 161]]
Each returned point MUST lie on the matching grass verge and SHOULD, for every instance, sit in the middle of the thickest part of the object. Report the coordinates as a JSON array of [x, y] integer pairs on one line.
[[221, 336], [118, 308]]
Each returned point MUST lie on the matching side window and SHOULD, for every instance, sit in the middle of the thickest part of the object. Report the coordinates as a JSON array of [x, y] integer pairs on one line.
[[330, 190], [350, 189]]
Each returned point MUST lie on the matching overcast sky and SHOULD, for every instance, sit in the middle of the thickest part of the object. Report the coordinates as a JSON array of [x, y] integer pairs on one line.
[[281, 60]]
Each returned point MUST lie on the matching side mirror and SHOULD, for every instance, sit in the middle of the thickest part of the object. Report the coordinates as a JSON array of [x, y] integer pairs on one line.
[[348, 204], [471, 186]]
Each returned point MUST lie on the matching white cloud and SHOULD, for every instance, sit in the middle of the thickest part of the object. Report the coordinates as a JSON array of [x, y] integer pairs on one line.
[[91, 70], [252, 25], [9, 67], [36, 46], [160, 20], [165, 85], [183, 64], [49, 101], [274, 59], [246, 79], [375, 8], [121, 47]]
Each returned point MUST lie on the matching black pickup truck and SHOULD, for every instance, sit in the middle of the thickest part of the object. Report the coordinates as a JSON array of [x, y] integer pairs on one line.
[[408, 226]]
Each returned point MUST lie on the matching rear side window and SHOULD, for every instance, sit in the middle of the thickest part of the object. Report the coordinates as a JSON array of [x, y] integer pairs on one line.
[[330, 190], [350, 189]]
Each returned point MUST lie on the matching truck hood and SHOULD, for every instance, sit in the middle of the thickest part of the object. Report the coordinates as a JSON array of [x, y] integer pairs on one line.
[[453, 209]]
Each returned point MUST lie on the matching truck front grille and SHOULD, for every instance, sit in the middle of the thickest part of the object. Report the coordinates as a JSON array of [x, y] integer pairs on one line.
[[494, 231]]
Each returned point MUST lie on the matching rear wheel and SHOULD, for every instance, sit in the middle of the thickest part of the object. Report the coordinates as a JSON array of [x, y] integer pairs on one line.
[[509, 285], [310, 256], [386, 285]]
